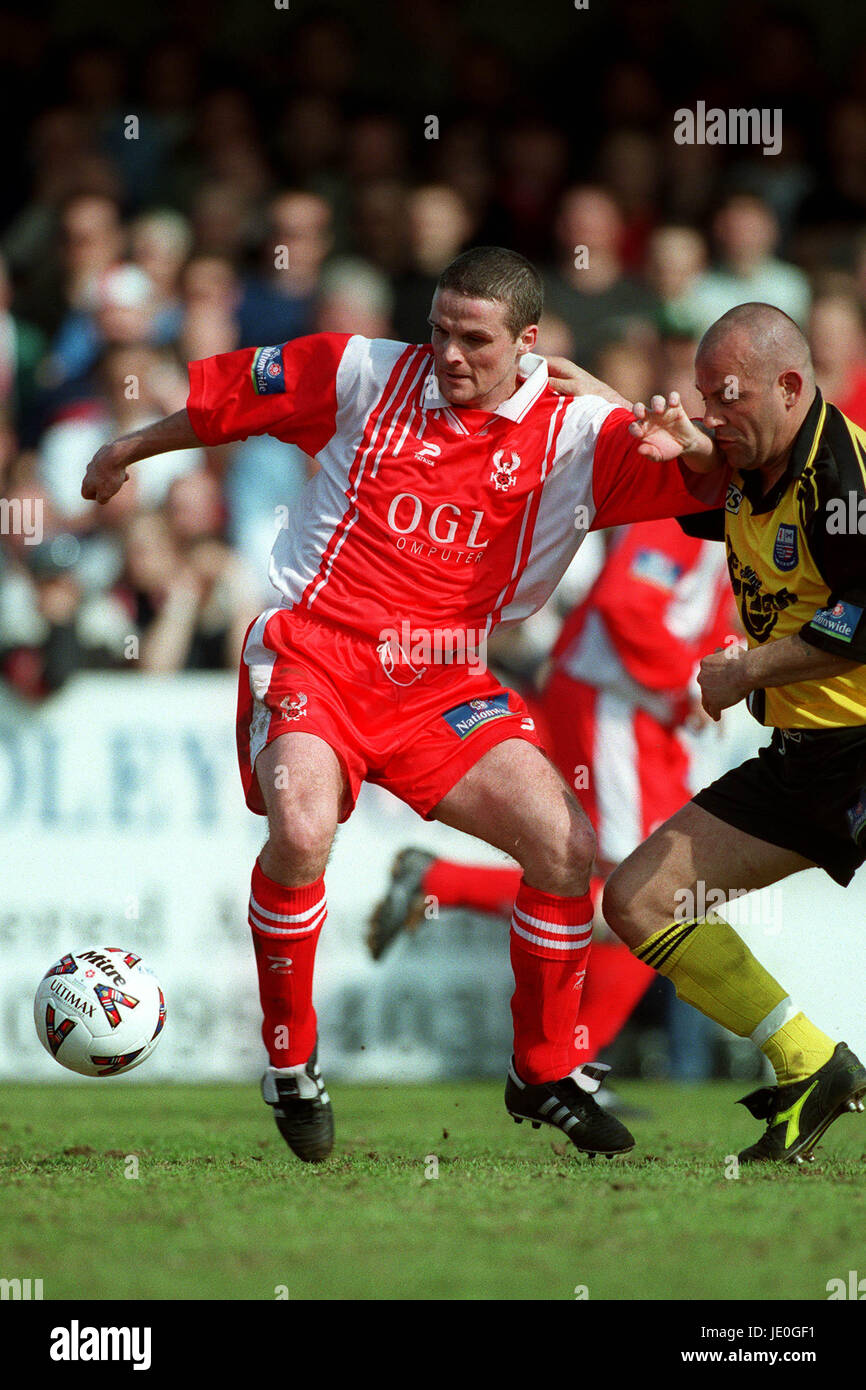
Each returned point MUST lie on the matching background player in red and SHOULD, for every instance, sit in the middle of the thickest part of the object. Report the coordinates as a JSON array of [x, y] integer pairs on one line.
[[453, 490], [620, 689]]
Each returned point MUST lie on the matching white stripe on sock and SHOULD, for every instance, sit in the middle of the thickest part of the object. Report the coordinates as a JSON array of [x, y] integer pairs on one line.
[[287, 916], [270, 930], [578, 943], [776, 1019], [559, 928]]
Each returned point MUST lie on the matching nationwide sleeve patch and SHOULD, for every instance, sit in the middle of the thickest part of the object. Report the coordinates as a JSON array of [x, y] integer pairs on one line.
[[840, 621], [465, 719], [268, 373]]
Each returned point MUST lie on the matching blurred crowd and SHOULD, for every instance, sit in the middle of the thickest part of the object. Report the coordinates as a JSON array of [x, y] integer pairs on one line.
[[177, 206]]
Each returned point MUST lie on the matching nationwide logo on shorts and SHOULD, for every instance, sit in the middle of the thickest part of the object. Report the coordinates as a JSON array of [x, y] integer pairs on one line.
[[269, 377], [465, 719], [733, 499], [785, 555], [840, 621]]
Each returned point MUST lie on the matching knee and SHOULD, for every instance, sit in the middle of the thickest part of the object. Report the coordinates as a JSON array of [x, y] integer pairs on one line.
[[299, 842], [625, 909], [564, 868]]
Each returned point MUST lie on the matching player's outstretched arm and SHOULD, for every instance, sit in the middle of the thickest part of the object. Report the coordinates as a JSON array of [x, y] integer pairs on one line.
[[107, 470]]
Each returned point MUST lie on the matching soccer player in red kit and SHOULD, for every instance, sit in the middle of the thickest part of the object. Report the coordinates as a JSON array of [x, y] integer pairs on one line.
[[454, 487], [621, 688]]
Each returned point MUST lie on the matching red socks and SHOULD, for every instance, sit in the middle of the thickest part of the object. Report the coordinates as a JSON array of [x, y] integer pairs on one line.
[[285, 923], [486, 888], [550, 943]]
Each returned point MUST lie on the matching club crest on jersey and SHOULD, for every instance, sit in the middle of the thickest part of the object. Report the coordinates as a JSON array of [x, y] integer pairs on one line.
[[733, 499], [269, 377], [785, 555], [504, 469], [293, 704]]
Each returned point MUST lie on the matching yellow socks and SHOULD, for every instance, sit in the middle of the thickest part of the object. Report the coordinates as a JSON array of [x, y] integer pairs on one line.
[[712, 968]]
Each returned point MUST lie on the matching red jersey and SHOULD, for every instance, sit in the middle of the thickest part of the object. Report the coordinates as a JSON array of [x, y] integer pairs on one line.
[[662, 602], [422, 513]]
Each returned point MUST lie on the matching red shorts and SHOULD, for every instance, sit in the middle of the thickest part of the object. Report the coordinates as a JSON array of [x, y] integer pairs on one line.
[[415, 731]]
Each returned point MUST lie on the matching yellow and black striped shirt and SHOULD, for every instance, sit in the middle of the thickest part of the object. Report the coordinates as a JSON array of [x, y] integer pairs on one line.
[[797, 561]]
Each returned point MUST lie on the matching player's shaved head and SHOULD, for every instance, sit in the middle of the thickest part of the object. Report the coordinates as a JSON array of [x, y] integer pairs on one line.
[[762, 339], [754, 370]]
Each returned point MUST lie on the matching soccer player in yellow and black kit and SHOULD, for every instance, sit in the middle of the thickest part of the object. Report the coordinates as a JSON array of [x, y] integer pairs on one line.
[[797, 560]]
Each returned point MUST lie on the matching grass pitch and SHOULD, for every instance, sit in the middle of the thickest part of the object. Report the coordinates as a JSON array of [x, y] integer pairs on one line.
[[221, 1210]]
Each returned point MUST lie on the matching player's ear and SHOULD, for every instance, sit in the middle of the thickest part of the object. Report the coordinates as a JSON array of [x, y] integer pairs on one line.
[[528, 338], [791, 385]]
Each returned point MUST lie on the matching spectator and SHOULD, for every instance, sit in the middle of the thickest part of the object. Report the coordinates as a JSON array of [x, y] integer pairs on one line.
[[278, 302], [629, 167], [439, 225], [589, 288], [159, 244], [355, 298], [137, 386], [676, 258], [838, 342], [191, 598], [21, 349], [211, 295], [746, 232]]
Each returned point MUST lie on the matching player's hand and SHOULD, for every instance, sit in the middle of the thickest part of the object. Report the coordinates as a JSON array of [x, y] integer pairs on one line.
[[565, 377], [105, 475], [666, 432], [724, 680]]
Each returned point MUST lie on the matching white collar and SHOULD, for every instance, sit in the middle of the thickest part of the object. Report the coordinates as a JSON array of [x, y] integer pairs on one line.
[[532, 370]]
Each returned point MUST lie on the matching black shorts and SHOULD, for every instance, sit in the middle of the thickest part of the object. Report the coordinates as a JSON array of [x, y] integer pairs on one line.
[[806, 791]]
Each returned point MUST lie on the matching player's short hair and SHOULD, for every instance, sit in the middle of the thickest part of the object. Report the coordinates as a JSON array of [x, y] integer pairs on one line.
[[494, 272]]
